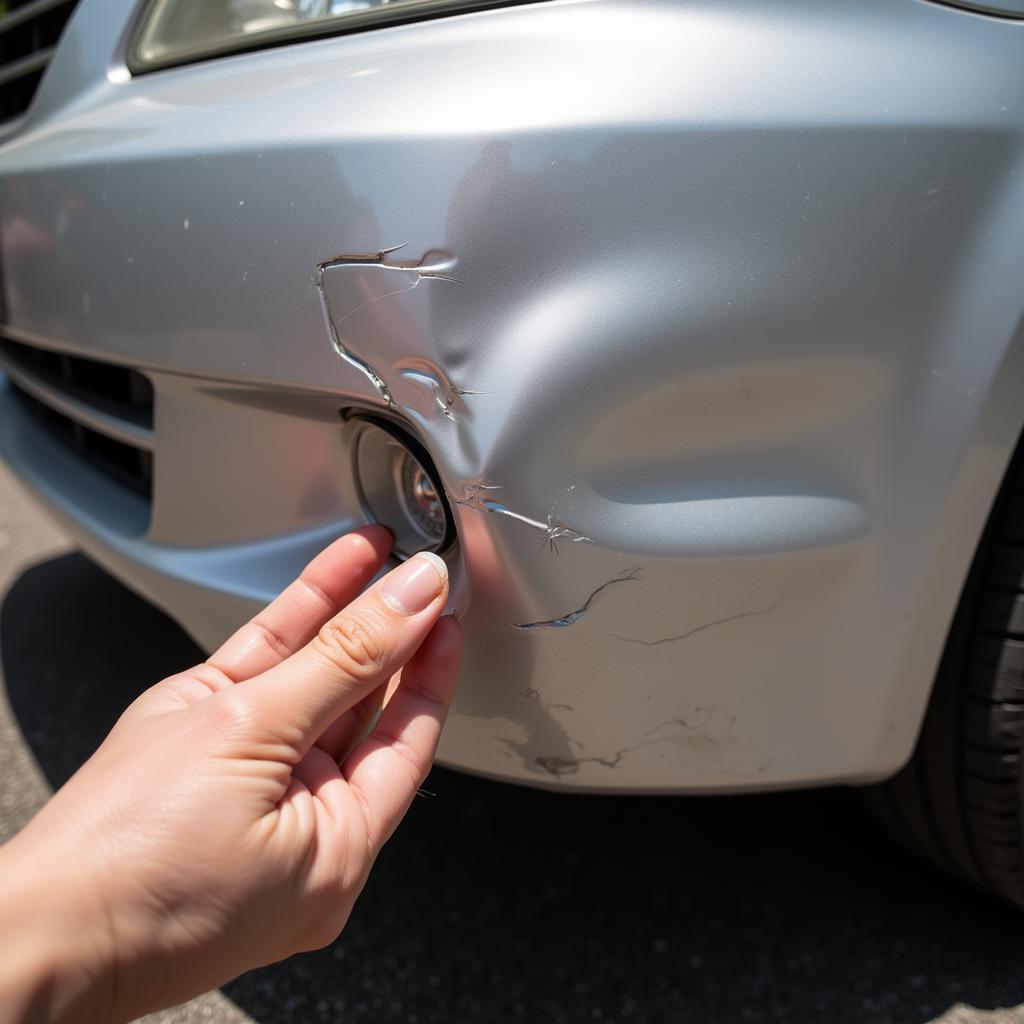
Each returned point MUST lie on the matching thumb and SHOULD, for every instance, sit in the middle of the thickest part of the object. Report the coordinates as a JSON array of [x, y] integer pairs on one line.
[[358, 649]]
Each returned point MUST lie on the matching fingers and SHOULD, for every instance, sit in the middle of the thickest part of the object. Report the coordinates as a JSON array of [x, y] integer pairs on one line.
[[354, 652], [329, 582], [344, 732], [389, 765]]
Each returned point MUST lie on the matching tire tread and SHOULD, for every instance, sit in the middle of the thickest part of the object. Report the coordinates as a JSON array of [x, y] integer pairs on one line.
[[959, 801]]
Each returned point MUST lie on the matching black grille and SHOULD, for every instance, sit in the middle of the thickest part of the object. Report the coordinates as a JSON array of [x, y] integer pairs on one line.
[[117, 390], [113, 390], [128, 466], [29, 30]]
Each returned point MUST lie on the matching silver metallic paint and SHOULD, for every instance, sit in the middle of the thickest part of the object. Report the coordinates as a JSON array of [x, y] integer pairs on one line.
[[739, 289]]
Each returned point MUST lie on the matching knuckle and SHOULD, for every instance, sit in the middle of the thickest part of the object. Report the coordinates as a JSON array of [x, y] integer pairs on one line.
[[412, 763], [210, 677], [356, 644], [231, 714], [271, 639]]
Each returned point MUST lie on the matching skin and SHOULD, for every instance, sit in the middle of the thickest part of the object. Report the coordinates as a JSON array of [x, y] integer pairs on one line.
[[232, 816]]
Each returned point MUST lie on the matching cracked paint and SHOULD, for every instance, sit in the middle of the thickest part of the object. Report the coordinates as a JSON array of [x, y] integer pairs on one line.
[[557, 765], [535, 695], [571, 618], [553, 529], [693, 718], [690, 632], [444, 392], [687, 724], [556, 531], [434, 265]]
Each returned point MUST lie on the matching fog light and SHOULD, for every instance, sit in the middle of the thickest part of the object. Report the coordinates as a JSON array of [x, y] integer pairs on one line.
[[400, 489], [421, 500]]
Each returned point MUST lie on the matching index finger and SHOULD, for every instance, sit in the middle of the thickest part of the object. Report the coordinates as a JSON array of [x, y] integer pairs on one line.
[[352, 654]]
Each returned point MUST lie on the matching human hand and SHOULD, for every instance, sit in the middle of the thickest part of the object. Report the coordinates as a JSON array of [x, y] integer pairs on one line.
[[231, 817]]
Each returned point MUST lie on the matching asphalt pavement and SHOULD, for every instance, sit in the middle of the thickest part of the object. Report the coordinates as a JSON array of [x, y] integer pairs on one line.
[[496, 904]]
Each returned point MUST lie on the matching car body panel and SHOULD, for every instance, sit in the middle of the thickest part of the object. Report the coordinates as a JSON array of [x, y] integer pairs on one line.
[[721, 379]]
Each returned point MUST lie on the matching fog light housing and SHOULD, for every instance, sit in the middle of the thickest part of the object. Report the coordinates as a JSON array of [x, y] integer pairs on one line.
[[400, 488]]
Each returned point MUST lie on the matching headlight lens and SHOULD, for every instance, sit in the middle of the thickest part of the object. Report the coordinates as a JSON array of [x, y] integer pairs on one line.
[[177, 31]]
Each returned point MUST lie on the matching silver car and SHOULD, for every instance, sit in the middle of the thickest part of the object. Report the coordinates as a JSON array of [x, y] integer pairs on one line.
[[690, 334]]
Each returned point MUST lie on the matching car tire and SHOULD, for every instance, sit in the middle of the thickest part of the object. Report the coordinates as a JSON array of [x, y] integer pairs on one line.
[[960, 799]]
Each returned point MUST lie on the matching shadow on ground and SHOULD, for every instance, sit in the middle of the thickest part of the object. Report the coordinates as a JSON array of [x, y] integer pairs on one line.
[[498, 904]]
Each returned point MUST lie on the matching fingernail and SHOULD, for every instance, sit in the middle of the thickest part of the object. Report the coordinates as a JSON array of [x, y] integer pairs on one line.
[[415, 583]]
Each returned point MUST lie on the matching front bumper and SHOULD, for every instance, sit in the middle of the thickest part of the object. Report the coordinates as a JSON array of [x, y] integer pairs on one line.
[[756, 345]]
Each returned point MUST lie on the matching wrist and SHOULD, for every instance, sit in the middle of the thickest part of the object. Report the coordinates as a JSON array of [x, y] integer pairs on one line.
[[57, 961]]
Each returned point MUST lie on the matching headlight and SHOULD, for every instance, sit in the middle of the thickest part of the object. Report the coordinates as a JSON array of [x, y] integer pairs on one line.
[[177, 31]]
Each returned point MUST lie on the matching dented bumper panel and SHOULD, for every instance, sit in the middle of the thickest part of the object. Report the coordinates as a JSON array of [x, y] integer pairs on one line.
[[716, 355]]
